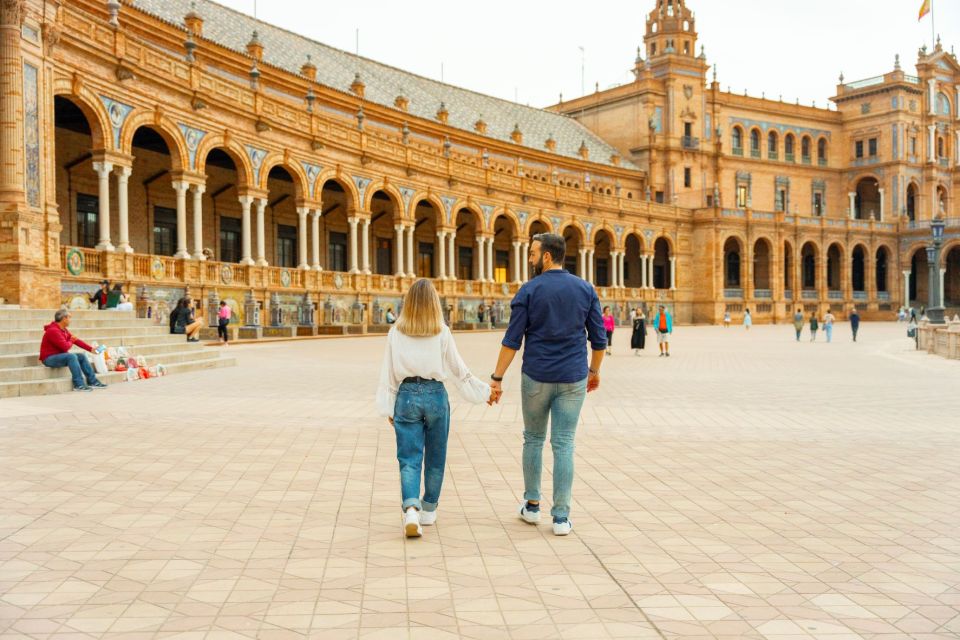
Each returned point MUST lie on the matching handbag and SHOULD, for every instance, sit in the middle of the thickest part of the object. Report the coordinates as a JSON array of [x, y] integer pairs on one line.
[[911, 333]]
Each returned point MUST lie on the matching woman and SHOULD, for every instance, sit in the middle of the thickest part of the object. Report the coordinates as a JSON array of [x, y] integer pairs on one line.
[[420, 355], [726, 319], [638, 339], [174, 315], [747, 320], [481, 312], [391, 317], [609, 324], [187, 322], [814, 325], [223, 320]]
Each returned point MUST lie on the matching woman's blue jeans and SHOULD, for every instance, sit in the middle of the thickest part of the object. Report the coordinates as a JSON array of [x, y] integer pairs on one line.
[[421, 420]]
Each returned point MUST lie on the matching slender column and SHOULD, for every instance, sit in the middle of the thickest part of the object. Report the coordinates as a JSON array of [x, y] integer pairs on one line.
[[411, 256], [650, 283], [302, 257], [490, 263], [582, 266], [941, 300], [366, 245], [103, 170], [442, 255], [956, 147], [261, 235], [643, 272], [481, 258], [245, 202], [853, 204], [906, 289], [353, 245], [591, 267], [452, 247], [315, 237], [123, 179], [621, 269], [525, 260], [198, 190], [931, 95], [181, 188], [673, 273], [932, 143], [400, 242], [882, 201], [516, 261]]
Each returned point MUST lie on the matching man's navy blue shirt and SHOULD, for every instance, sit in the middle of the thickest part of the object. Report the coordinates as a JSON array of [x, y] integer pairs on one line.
[[556, 313]]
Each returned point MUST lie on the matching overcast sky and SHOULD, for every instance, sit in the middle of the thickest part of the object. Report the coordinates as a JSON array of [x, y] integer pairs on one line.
[[530, 50]]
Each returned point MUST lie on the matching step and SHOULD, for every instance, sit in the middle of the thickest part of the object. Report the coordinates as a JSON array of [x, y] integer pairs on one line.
[[63, 385], [77, 326], [13, 335], [40, 372], [47, 314], [27, 346], [28, 358]]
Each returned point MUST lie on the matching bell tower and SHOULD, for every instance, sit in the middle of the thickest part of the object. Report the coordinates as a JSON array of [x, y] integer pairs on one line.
[[671, 30]]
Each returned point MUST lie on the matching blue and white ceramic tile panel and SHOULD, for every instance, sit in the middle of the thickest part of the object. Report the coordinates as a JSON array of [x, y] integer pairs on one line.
[[362, 184], [406, 193], [117, 113], [448, 202], [192, 137], [765, 126], [257, 157], [313, 172], [384, 83], [31, 134], [487, 213]]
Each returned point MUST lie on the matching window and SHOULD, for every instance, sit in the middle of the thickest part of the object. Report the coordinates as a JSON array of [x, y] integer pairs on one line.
[[230, 236], [384, 256], [822, 152], [425, 260], [465, 268], [940, 153], [755, 143], [943, 105], [686, 47], [805, 150], [781, 200], [653, 49], [858, 149], [818, 204], [872, 144], [88, 217], [286, 246], [659, 197], [773, 150], [337, 251], [164, 231], [501, 267], [913, 146], [570, 265], [687, 177], [603, 272], [788, 147], [741, 196], [737, 141]]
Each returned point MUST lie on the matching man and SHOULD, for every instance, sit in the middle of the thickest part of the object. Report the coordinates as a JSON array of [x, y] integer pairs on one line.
[[828, 321], [798, 322], [55, 352], [663, 325], [854, 323], [101, 295], [554, 314]]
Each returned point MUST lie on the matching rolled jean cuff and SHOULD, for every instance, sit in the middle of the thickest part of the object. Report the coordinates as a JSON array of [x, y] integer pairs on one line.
[[530, 496], [429, 507], [412, 502]]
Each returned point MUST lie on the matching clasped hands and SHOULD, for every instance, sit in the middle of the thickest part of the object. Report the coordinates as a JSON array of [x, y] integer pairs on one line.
[[496, 388]]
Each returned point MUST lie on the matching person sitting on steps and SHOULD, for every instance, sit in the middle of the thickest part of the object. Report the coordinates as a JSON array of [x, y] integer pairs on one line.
[[55, 352]]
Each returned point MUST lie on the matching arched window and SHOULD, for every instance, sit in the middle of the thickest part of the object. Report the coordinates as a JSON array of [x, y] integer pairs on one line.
[[940, 149], [822, 151], [738, 141], [788, 143], [755, 143], [943, 105], [805, 149], [773, 151]]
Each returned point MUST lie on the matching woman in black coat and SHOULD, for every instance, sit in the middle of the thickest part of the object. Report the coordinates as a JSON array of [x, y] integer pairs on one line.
[[639, 338]]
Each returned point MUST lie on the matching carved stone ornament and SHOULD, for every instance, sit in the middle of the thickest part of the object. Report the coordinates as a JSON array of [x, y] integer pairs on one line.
[[14, 11], [51, 32], [124, 73], [688, 91]]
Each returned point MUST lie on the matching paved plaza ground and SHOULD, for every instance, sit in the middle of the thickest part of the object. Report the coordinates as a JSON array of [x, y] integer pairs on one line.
[[747, 487]]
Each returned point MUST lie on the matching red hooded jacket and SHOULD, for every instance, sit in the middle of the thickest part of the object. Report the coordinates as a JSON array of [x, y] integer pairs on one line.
[[57, 340]]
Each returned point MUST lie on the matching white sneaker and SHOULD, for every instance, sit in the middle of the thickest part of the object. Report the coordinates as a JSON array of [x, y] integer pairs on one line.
[[562, 528], [428, 518], [411, 523], [530, 517]]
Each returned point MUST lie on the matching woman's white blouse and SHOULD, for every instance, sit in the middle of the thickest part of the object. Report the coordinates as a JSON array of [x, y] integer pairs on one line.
[[433, 358]]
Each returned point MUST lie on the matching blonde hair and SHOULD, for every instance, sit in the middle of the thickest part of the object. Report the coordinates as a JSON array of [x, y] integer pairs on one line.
[[422, 315]]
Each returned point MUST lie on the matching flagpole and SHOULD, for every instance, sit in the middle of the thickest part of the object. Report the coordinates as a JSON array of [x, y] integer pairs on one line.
[[933, 28]]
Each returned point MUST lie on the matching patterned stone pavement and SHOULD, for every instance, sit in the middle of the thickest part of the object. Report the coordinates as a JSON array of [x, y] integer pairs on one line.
[[747, 487]]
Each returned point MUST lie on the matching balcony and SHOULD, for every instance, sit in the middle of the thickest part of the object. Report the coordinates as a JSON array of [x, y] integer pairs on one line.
[[689, 142], [788, 294], [859, 295], [790, 157], [738, 151], [809, 294], [754, 153], [763, 294], [773, 155], [821, 162], [806, 159], [833, 294], [883, 296], [733, 294]]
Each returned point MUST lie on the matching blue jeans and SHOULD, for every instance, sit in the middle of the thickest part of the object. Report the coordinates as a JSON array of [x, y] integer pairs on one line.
[[561, 403], [77, 363], [829, 330], [421, 420]]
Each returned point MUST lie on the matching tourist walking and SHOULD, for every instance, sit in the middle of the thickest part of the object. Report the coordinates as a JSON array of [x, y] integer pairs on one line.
[[854, 323], [798, 323], [553, 316], [828, 320], [814, 325], [726, 319], [55, 352], [420, 355], [747, 320], [638, 339], [663, 325], [609, 324], [223, 320]]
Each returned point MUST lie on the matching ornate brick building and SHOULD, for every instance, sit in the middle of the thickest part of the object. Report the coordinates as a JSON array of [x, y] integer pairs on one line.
[[181, 147]]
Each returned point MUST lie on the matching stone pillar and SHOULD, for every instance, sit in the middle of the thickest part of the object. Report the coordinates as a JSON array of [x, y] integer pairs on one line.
[[932, 143], [315, 237], [882, 203], [411, 256], [622, 269], [525, 260], [245, 202], [198, 190], [643, 272], [582, 264], [956, 147], [442, 255], [354, 245], [650, 280], [931, 96], [490, 261], [591, 267], [103, 170], [181, 188], [906, 289], [400, 272], [123, 209], [481, 258], [612, 269], [366, 246], [452, 247], [853, 204], [673, 273], [516, 262], [302, 257], [941, 301], [261, 236]]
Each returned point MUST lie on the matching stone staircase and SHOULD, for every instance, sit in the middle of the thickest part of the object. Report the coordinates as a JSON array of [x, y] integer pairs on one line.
[[22, 374]]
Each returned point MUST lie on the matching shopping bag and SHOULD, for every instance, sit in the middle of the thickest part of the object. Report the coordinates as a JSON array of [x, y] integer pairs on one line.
[[133, 362], [161, 370], [99, 363], [132, 374]]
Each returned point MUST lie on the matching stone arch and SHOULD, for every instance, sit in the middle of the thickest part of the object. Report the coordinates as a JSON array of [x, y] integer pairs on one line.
[[167, 130], [810, 258], [544, 222], [867, 200], [232, 149], [577, 227], [788, 265], [910, 199], [344, 182], [504, 212], [917, 259], [823, 148], [733, 250], [763, 267], [276, 159], [662, 266], [836, 265], [387, 188], [859, 261], [882, 267], [93, 109], [789, 145], [472, 209], [435, 202]]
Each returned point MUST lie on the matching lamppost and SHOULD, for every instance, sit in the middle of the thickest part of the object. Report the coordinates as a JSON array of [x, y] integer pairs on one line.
[[935, 308]]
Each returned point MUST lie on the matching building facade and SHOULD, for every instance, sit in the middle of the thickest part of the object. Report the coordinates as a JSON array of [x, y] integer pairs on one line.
[[179, 147]]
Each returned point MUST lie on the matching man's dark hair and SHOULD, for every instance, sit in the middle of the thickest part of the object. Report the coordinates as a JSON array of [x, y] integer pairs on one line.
[[553, 244], [60, 315]]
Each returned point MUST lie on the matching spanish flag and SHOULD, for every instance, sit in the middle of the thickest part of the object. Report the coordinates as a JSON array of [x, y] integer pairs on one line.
[[924, 9]]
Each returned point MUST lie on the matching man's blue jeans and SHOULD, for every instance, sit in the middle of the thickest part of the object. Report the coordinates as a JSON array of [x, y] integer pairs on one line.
[[77, 363], [421, 420], [562, 404], [829, 329]]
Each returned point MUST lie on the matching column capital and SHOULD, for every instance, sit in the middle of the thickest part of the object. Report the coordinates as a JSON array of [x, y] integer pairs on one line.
[[261, 202], [303, 211], [353, 221], [246, 201], [180, 186], [103, 168], [198, 188], [123, 171]]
